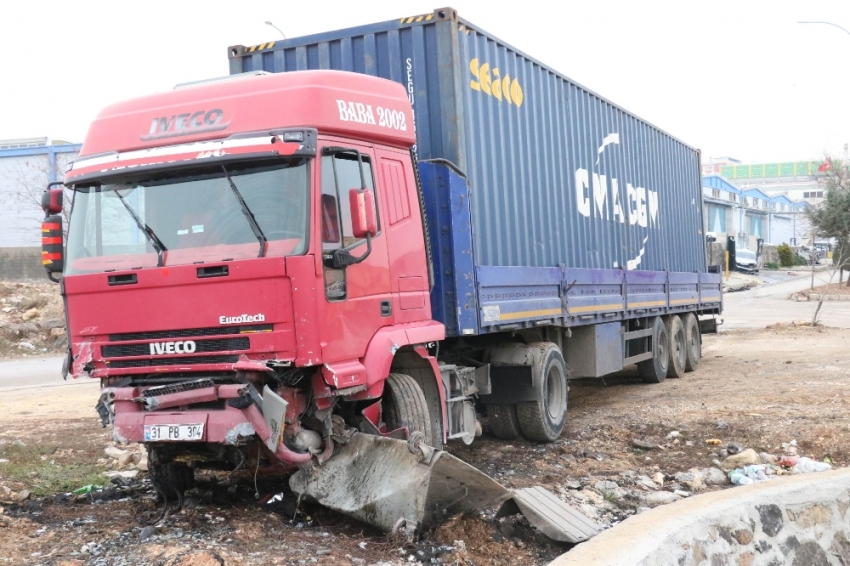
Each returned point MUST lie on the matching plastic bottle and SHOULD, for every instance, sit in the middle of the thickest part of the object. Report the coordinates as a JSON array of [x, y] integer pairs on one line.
[[739, 478]]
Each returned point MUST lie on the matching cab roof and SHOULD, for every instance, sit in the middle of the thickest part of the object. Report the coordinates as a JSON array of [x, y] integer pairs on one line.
[[335, 102]]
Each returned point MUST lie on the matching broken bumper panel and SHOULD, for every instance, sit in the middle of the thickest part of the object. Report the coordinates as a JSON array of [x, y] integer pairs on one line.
[[240, 419]]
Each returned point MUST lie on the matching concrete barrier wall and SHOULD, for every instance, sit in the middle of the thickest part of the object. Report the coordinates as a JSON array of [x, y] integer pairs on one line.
[[21, 264], [769, 255], [717, 255], [800, 520]]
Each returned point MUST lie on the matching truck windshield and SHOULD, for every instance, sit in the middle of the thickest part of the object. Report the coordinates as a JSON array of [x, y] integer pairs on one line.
[[195, 216]]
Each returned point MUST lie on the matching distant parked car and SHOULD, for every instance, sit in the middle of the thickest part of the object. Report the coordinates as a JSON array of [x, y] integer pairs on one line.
[[746, 261], [811, 255]]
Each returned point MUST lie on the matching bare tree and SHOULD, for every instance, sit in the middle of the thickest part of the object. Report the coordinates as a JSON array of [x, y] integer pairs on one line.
[[831, 219], [26, 179]]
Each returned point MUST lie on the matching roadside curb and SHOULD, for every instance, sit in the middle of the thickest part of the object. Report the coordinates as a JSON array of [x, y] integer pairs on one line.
[[801, 298], [737, 522]]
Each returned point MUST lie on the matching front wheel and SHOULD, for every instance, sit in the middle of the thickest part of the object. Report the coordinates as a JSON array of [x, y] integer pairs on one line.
[[405, 406], [172, 479]]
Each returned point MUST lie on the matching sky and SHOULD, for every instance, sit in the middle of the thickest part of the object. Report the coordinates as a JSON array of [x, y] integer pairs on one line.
[[732, 78]]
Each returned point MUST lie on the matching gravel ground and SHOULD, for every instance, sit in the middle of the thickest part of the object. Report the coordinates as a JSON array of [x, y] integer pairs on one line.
[[628, 446]]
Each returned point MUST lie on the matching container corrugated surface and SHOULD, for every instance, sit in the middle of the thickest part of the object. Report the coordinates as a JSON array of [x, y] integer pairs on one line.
[[558, 174]]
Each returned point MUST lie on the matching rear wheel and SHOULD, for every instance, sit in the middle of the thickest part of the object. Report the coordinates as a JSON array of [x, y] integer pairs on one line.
[[694, 342], [654, 370], [543, 419], [677, 347], [405, 406], [503, 421]]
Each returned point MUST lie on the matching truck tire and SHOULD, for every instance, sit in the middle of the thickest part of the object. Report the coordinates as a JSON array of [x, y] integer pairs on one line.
[[678, 347], [172, 479], [543, 419], [405, 406], [694, 342], [654, 370], [503, 421]]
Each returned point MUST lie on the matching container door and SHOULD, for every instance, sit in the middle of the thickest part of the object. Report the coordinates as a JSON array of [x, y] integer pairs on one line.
[[357, 299]]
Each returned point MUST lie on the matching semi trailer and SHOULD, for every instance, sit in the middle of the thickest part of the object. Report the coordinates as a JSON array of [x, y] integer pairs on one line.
[[346, 255]]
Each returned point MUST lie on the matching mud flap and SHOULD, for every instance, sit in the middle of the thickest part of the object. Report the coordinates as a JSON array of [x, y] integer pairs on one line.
[[393, 484], [396, 484]]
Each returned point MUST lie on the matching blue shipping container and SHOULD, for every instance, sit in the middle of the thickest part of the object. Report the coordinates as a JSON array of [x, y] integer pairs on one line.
[[558, 175]]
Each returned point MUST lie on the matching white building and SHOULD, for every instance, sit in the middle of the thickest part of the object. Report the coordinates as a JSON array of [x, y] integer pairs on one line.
[[750, 215], [26, 167]]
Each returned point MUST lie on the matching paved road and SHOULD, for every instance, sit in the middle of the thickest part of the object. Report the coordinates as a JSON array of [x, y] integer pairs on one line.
[[756, 308], [35, 372]]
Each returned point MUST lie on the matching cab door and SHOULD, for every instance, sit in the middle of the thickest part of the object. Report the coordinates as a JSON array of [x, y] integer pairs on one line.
[[357, 299]]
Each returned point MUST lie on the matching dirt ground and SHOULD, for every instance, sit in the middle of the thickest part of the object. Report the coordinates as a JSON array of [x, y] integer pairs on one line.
[[32, 320], [754, 389], [832, 289]]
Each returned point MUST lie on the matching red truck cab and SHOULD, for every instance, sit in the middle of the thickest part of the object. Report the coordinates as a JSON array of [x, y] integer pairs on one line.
[[253, 234]]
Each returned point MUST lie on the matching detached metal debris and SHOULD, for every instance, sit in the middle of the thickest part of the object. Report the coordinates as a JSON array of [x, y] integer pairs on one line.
[[406, 486]]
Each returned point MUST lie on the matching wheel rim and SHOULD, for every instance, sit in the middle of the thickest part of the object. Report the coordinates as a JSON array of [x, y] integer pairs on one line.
[[556, 397]]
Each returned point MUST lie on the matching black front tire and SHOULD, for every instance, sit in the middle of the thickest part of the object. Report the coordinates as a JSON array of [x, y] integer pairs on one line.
[[405, 406], [172, 479]]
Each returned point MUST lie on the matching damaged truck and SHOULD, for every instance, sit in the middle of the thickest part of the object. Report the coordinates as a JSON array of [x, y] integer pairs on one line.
[[360, 246]]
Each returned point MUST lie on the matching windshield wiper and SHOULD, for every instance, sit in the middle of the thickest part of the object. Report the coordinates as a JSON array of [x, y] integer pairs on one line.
[[255, 228], [149, 234]]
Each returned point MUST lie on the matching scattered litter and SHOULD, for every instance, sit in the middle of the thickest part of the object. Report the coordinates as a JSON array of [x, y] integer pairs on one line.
[[125, 474], [673, 434], [790, 448], [734, 449], [722, 424], [86, 489], [713, 441], [807, 465], [749, 474]]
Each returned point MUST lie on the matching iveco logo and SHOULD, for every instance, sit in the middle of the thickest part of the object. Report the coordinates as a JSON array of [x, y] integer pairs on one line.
[[186, 124], [160, 348]]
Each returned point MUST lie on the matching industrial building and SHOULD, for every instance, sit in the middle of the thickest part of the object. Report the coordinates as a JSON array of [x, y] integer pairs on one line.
[[26, 167], [750, 215]]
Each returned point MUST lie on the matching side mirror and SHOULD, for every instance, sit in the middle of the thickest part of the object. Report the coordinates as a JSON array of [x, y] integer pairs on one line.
[[52, 198], [363, 222], [51, 245]]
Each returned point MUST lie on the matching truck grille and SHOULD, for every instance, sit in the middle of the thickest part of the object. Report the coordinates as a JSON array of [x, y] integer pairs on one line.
[[173, 361], [201, 346], [191, 332]]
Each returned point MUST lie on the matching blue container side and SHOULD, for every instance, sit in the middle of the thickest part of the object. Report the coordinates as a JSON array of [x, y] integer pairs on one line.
[[559, 178]]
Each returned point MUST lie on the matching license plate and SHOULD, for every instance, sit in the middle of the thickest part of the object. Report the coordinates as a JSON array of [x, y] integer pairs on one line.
[[170, 432]]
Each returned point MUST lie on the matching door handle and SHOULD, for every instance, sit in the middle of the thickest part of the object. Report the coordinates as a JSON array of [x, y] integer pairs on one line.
[[386, 308]]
